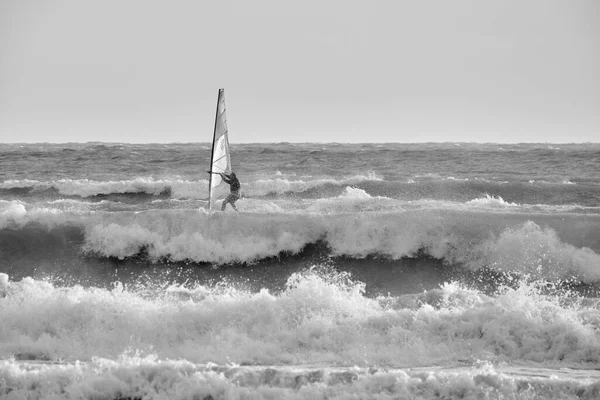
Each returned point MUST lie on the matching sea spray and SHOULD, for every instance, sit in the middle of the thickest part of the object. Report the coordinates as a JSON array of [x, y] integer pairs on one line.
[[322, 317]]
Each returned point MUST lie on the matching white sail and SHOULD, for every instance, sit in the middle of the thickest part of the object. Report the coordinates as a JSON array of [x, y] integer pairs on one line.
[[220, 160]]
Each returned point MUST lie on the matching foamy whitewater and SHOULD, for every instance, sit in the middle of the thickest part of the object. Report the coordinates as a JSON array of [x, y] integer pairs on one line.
[[379, 271]]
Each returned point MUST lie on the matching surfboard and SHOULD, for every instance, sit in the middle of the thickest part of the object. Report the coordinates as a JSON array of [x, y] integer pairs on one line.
[[220, 158]]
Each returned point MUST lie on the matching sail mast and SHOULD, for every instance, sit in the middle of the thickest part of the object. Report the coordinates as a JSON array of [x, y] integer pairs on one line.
[[212, 151]]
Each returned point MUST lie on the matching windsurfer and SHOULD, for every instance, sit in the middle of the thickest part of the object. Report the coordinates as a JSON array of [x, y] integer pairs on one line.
[[234, 188]]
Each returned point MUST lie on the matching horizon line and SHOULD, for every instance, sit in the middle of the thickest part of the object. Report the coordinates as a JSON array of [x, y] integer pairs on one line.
[[306, 142]]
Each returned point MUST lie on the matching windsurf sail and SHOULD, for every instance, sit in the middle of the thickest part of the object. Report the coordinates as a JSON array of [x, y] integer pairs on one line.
[[220, 159]]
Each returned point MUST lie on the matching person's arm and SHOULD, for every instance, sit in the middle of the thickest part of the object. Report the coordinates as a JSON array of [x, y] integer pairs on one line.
[[225, 177]]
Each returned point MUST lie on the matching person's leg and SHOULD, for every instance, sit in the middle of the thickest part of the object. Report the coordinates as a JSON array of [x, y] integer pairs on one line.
[[234, 198], [229, 199]]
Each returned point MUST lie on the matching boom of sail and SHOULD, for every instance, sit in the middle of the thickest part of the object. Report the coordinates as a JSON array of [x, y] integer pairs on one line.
[[220, 159]]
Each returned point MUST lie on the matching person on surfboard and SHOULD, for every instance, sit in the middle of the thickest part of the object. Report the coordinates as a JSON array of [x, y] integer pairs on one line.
[[234, 188]]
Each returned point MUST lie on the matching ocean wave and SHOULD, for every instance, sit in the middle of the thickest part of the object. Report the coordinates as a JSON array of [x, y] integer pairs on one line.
[[488, 200], [556, 194], [523, 247], [19, 184], [12, 208], [223, 240], [537, 252], [349, 200], [86, 188], [16, 214], [318, 318], [437, 177], [550, 247], [176, 188], [264, 187], [134, 377], [472, 192]]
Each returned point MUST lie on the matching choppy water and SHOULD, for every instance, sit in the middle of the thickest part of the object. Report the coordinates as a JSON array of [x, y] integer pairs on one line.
[[374, 271]]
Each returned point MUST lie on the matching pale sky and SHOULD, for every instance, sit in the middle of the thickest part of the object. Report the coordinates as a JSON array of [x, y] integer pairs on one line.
[[300, 71]]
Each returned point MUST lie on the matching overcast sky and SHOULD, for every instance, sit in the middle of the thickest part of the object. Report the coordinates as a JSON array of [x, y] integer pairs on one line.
[[305, 70]]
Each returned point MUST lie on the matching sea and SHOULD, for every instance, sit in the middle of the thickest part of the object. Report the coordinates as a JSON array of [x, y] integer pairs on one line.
[[351, 271]]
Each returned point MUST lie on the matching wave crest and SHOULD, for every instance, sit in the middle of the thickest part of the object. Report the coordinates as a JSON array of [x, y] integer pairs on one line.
[[539, 253], [545, 247], [264, 187], [490, 200]]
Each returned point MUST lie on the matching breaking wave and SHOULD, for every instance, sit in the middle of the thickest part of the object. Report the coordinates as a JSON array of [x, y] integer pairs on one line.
[[491, 200], [319, 318], [543, 246]]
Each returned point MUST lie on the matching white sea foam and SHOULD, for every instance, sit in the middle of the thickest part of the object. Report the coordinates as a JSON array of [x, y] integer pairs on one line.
[[537, 252], [490, 200], [262, 187], [13, 208], [13, 183], [525, 248], [318, 319], [182, 188], [355, 194], [19, 215], [146, 377], [206, 239]]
